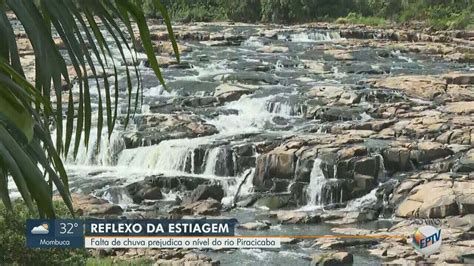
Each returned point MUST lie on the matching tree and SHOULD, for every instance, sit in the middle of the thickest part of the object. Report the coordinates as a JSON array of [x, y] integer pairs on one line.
[[27, 152]]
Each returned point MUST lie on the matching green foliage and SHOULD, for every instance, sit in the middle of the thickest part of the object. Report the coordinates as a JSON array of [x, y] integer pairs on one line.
[[354, 18], [243, 10], [13, 240], [440, 14]]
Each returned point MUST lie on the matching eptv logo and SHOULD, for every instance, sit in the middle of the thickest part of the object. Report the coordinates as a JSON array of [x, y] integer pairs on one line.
[[427, 239]]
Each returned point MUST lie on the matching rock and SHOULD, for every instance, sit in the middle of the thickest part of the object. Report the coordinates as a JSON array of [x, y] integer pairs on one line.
[[226, 92], [460, 93], [464, 192], [297, 217], [460, 107], [423, 87], [338, 113], [339, 54], [152, 129], [203, 207], [435, 199], [140, 191], [326, 91], [256, 226], [86, 205], [428, 151], [273, 49], [204, 192], [365, 182], [337, 258], [466, 163], [279, 163], [397, 159], [273, 201], [459, 78]]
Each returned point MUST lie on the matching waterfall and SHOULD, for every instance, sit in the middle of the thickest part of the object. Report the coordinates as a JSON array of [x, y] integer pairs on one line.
[[211, 161], [104, 153], [367, 200], [321, 36], [168, 156], [231, 186], [316, 184]]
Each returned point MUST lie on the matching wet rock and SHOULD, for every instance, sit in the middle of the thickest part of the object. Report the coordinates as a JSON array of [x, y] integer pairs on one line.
[[176, 183], [279, 163], [466, 163], [255, 226], [337, 258], [86, 205], [203, 207], [227, 93], [297, 217], [204, 192], [273, 201], [249, 78], [397, 159], [297, 190], [336, 113], [140, 191], [152, 129]]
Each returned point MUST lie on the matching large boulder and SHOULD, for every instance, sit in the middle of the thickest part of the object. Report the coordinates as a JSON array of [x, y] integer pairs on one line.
[[203, 207], [87, 205], [273, 201], [297, 217], [204, 192], [466, 163], [423, 87], [428, 151], [152, 129], [460, 107], [140, 191], [397, 159], [279, 164], [336, 258], [431, 200], [227, 92]]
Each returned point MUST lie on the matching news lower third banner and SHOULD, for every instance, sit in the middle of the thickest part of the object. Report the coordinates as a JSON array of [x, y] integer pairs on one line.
[[153, 233]]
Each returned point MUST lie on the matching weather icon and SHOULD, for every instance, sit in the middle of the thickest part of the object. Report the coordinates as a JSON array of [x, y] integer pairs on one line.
[[42, 229]]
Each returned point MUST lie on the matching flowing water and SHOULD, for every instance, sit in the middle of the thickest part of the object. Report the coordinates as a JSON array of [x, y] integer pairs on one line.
[[277, 107]]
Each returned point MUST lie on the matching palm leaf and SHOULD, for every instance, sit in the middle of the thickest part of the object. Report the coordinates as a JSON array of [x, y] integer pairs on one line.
[[28, 154]]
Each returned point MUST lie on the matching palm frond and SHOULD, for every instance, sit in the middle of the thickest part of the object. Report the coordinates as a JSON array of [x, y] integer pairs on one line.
[[28, 154]]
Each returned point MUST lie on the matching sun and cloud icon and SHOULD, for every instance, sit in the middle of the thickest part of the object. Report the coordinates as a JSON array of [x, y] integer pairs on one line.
[[42, 229]]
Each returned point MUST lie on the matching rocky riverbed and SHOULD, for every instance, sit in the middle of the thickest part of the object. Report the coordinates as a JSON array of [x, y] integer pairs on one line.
[[297, 130]]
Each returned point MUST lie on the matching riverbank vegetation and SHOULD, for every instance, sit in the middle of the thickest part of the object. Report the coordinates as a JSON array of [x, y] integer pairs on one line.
[[439, 14]]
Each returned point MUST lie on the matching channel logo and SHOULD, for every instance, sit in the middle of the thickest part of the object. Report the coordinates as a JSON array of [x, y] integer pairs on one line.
[[427, 239]]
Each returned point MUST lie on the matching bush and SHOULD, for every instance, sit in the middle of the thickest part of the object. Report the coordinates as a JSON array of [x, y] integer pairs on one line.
[[243, 10], [354, 18], [13, 248]]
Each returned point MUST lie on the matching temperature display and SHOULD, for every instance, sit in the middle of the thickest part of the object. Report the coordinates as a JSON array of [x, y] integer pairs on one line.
[[42, 233]]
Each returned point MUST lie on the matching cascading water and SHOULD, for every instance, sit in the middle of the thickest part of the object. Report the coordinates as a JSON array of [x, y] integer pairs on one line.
[[323, 36], [104, 153], [317, 181], [211, 161]]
